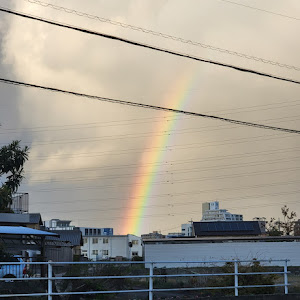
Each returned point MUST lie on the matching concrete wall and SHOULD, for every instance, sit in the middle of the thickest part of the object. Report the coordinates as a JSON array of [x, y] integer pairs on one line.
[[222, 251]]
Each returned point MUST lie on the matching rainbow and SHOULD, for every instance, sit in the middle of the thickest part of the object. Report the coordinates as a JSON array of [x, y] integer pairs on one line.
[[150, 161]]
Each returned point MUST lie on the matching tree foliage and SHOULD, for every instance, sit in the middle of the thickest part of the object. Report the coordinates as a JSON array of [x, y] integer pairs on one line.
[[285, 227], [12, 159], [273, 227], [288, 220]]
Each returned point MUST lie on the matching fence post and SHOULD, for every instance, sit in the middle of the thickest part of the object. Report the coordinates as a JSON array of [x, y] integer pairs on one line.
[[151, 282], [49, 280], [286, 290], [236, 278]]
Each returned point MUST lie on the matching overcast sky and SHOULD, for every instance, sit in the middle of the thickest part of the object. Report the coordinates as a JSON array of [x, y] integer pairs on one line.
[[86, 156]]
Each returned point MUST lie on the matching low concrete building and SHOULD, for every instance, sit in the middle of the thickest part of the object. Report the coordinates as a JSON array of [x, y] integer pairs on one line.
[[222, 248], [106, 247]]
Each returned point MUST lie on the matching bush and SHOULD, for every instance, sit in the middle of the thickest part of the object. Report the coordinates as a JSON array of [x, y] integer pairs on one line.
[[246, 280]]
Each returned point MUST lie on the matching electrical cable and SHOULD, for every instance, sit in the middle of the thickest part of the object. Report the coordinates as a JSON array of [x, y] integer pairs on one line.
[[183, 213], [123, 123], [136, 104], [186, 180], [163, 35], [151, 119], [174, 195], [153, 133], [259, 9], [139, 44], [118, 209], [167, 172], [170, 163]]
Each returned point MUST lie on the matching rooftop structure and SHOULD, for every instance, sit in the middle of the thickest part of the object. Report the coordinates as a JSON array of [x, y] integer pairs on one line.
[[212, 212], [153, 235], [57, 224], [20, 203]]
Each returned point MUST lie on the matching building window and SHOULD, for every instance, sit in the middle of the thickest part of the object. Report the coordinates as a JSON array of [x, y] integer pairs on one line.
[[85, 240], [95, 240], [86, 231], [95, 231], [95, 252], [135, 242], [135, 253], [91, 232], [105, 241], [99, 231], [105, 252], [84, 251]]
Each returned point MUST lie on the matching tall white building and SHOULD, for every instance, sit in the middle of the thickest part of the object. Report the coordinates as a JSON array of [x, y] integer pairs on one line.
[[212, 212], [102, 247]]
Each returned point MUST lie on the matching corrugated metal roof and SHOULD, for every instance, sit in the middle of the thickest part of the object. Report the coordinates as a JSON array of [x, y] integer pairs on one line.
[[10, 218], [24, 231], [72, 236], [35, 218], [14, 218]]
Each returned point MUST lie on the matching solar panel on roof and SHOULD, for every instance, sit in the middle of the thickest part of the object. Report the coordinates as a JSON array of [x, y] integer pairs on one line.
[[227, 226], [249, 226], [234, 226]]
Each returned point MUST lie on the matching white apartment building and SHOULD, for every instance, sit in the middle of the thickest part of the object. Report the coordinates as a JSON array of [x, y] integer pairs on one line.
[[212, 212], [187, 229], [99, 247]]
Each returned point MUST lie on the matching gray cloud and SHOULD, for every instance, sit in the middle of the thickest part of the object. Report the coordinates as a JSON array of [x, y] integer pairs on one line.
[[85, 155]]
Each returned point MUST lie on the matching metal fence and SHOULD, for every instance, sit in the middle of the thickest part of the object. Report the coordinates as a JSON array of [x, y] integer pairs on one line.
[[150, 269]]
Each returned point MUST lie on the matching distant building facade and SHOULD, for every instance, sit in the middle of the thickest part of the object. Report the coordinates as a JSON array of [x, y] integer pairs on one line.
[[104, 247], [152, 235], [187, 229], [297, 228], [91, 231], [20, 203], [212, 212], [57, 224]]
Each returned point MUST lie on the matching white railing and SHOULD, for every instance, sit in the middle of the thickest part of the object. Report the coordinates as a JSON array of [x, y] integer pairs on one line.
[[152, 266]]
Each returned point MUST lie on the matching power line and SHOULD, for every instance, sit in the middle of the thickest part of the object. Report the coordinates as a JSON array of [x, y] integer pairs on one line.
[[191, 212], [136, 104], [163, 35], [173, 195], [179, 181], [172, 162], [142, 135], [80, 126], [259, 9], [171, 172], [130, 42], [180, 203]]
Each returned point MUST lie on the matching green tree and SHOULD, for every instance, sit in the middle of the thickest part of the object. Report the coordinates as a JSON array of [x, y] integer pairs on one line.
[[12, 159]]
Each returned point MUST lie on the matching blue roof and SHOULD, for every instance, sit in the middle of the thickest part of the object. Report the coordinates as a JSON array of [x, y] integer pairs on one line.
[[24, 230]]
